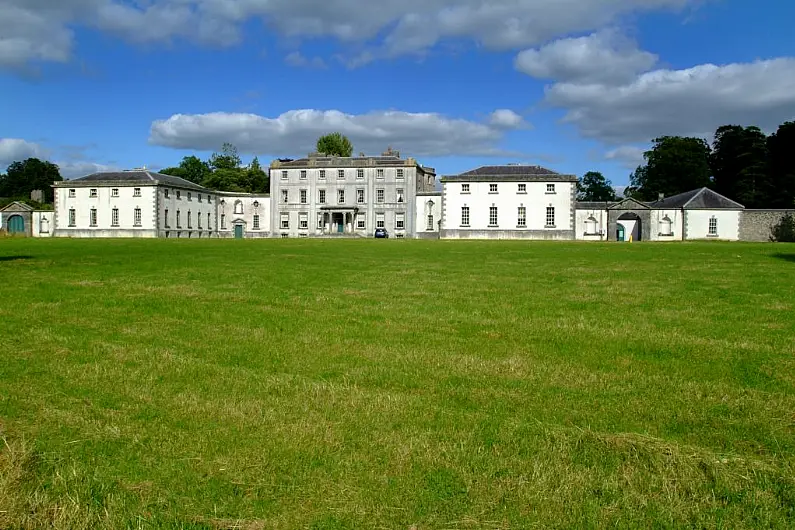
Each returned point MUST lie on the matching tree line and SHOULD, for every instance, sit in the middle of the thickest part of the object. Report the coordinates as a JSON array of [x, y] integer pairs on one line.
[[743, 164]]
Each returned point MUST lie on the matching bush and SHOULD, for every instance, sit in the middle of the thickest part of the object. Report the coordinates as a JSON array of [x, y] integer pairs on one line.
[[784, 230]]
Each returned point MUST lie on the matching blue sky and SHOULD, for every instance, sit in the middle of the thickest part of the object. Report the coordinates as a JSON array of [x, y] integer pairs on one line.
[[573, 85]]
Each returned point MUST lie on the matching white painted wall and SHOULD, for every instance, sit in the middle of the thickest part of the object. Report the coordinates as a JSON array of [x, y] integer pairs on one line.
[[428, 205], [657, 230], [697, 224], [508, 199], [229, 216], [43, 223], [581, 218], [105, 202]]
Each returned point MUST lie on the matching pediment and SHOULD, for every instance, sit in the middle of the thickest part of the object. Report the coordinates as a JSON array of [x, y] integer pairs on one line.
[[629, 204], [17, 206]]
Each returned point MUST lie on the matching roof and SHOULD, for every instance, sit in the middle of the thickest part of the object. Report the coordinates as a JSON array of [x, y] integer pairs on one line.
[[334, 162], [17, 206], [510, 173], [593, 205], [699, 199], [133, 176], [628, 204]]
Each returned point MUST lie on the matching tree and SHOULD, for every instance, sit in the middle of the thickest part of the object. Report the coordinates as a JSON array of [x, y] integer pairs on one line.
[[674, 164], [228, 159], [335, 144], [779, 191], [593, 186], [739, 165], [32, 174], [195, 169], [784, 230], [257, 180], [173, 171]]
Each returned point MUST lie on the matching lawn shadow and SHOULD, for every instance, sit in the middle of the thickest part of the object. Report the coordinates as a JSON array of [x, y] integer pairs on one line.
[[14, 258], [785, 257]]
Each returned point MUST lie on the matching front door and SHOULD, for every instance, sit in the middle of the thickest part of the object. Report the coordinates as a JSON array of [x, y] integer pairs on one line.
[[238, 231], [16, 225], [620, 233], [341, 226]]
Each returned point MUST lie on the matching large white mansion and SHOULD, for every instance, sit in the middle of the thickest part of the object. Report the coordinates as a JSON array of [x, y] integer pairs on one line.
[[324, 196]]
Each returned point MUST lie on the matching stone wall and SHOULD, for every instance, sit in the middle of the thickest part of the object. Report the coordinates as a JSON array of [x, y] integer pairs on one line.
[[756, 225]]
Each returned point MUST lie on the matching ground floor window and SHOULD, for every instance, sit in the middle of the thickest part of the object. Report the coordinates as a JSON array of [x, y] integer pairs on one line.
[[303, 221], [179, 220], [713, 226], [285, 221], [199, 220], [72, 217], [400, 221], [550, 216], [114, 217], [465, 216], [379, 220], [256, 222], [93, 218], [165, 219], [360, 224], [223, 221], [430, 222], [137, 217], [521, 220], [320, 220], [492, 216]]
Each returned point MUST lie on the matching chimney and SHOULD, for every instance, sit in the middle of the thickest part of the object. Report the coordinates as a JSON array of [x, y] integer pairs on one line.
[[660, 196]]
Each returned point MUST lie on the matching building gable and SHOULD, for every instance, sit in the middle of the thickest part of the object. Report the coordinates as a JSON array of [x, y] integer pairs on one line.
[[17, 206], [628, 204]]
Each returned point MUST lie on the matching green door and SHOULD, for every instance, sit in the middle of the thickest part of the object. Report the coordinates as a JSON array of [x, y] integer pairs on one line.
[[620, 233], [238, 231], [16, 225]]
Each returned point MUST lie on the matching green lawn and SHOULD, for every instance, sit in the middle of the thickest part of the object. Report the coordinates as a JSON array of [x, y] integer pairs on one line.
[[396, 384]]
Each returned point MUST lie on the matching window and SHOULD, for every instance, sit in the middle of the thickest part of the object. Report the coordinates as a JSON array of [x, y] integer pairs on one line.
[[379, 173], [591, 226], [359, 173], [303, 221], [190, 221], [320, 221], [199, 197], [430, 223], [666, 226], [713, 226], [464, 188], [492, 216], [190, 196], [115, 192], [114, 217], [522, 188], [165, 219], [285, 236], [465, 216], [238, 207], [72, 217], [360, 225], [399, 174], [92, 193], [400, 195], [285, 221], [379, 195], [379, 220], [550, 188], [521, 217], [92, 220], [137, 192], [71, 194], [137, 217], [165, 193], [284, 175], [360, 196], [323, 173], [550, 217], [303, 196], [285, 196], [179, 195], [492, 188], [223, 221], [303, 174], [209, 218], [256, 222], [199, 220], [179, 219], [400, 221], [340, 196], [341, 174], [321, 196]]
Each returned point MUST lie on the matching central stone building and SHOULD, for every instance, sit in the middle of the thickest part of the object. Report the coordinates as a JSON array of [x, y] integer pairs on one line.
[[349, 196]]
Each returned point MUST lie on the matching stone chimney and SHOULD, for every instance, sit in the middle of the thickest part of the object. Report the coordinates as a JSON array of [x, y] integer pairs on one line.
[[660, 196]]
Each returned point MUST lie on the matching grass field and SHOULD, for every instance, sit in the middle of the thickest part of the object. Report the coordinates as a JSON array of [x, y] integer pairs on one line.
[[396, 384]]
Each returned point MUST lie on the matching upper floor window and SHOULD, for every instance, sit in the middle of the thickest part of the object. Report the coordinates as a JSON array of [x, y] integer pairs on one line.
[[550, 188], [303, 196], [522, 188], [165, 193], [399, 174], [379, 173], [360, 196], [285, 196], [179, 195], [239, 207], [359, 173], [199, 197], [492, 188], [379, 195], [303, 174], [322, 173], [92, 192], [321, 196], [71, 194], [284, 175], [136, 192], [190, 196], [115, 192], [340, 196], [464, 188], [340, 173], [399, 195]]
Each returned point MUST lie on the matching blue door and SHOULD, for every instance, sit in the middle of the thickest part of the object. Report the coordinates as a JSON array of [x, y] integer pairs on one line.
[[238, 231], [620, 233], [16, 225]]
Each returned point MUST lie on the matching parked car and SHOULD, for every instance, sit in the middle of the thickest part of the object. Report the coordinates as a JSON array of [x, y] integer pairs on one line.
[[381, 233]]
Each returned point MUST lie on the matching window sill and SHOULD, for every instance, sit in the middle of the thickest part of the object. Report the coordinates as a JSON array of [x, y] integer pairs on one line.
[[494, 193], [466, 193], [521, 193], [713, 235], [464, 226], [550, 226], [521, 226], [593, 234], [493, 226], [665, 235], [550, 193]]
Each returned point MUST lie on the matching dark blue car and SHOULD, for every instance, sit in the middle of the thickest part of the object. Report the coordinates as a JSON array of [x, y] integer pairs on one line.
[[381, 233]]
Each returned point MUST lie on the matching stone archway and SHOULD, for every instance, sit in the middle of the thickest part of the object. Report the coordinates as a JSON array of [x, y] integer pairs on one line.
[[630, 225], [16, 225]]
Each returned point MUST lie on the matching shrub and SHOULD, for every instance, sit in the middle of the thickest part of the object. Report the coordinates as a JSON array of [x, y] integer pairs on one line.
[[784, 230]]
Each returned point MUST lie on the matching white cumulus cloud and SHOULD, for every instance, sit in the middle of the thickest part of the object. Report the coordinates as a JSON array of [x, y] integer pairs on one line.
[[605, 57], [298, 60], [295, 132], [630, 156], [17, 149], [506, 119]]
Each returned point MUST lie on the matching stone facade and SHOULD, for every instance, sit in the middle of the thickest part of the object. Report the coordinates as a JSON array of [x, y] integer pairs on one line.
[[757, 225]]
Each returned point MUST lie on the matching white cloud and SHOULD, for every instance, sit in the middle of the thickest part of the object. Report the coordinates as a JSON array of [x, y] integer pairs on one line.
[[506, 119], [692, 102], [630, 156], [16, 149], [40, 29], [604, 57], [298, 60], [295, 132], [76, 169]]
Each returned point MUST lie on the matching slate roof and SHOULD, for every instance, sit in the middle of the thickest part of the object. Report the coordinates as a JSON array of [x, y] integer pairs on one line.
[[593, 205], [335, 162], [699, 199], [511, 173], [137, 175]]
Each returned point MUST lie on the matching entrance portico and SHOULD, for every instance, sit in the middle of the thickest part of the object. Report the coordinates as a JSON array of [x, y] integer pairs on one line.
[[337, 220]]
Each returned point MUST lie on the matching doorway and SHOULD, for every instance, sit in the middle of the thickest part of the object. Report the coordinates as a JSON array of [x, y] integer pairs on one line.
[[238, 231], [16, 225], [620, 232]]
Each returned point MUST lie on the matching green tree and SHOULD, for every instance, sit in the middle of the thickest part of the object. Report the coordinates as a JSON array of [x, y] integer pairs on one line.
[[593, 186], [227, 180], [335, 144], [174, 172], [674, 164], [257, 180], [779, 191], [227, 159], [739, 164], [32, 174], [784, 230], [195, 169]]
